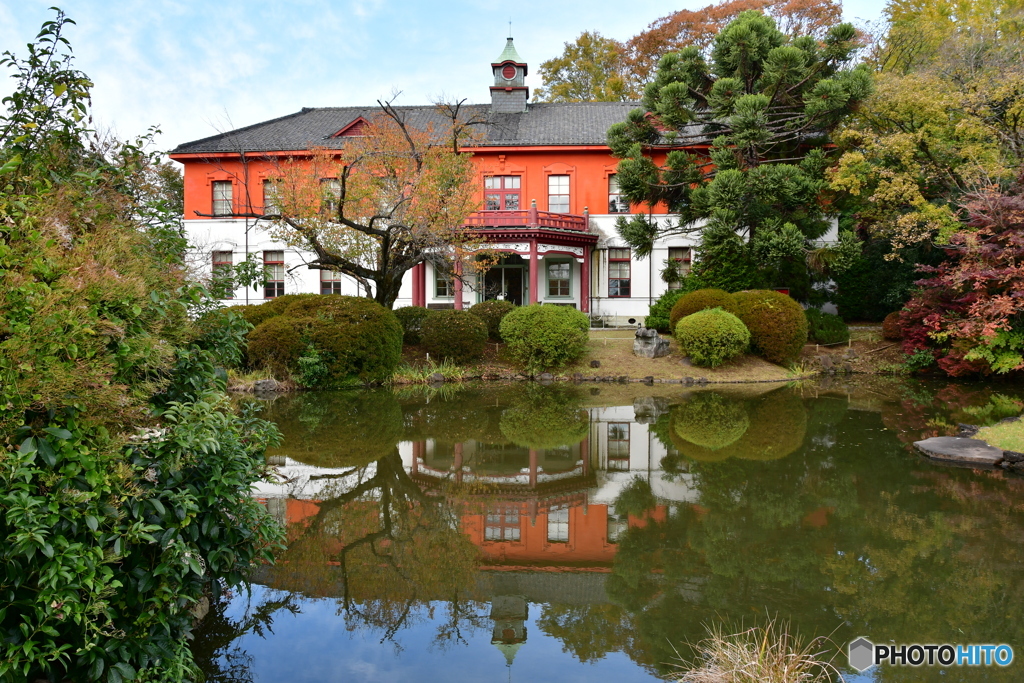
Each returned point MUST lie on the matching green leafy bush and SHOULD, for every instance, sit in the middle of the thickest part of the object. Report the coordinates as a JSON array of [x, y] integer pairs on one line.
[[777, 324], [891, 327], [825, 328], [411, 319], [699, 300], [658, 318], [255, 315], [712, 337], [545, 337], [458, 336], [493, 312], [276, 344]]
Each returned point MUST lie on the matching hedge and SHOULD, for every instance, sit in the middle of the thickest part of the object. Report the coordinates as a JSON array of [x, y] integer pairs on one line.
[[777, 324], [543, 337], [255, 315], [453, 335], [276, 345], [658, 318], [712, 337], [825, 328], [698, 301], [411, 319], [492, 313]]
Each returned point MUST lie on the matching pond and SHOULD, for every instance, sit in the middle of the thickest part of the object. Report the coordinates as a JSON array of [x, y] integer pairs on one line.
[[581, 533]]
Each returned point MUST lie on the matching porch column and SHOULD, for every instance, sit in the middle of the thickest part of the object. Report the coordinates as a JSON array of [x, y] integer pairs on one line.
[[533, 468], [458, 286], [585, 280], [419, 285], [534, 267]]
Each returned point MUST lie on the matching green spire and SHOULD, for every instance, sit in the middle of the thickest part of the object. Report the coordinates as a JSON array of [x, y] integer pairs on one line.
[[509, 54]]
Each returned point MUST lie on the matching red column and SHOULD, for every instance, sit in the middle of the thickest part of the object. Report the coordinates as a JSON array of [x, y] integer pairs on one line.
[[585, 281], [458, 286], [534, 267], [533, 468], [457, 465], [419, 285]]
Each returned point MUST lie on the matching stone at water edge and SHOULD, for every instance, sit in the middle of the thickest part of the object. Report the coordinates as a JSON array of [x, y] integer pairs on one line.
[[595, 363], [961, 451], [649, 344], [265, 385], [436, 378]]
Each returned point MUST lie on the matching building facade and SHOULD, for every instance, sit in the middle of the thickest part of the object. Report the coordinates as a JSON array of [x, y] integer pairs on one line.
[[548, 198]]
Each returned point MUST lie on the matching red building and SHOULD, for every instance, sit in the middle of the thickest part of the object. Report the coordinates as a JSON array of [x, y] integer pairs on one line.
[[547, 190]]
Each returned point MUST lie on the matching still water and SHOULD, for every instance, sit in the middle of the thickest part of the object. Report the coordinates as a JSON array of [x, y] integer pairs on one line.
[[530, 533]]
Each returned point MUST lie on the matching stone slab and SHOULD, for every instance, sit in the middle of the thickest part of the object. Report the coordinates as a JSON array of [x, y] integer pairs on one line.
[[960, 450]]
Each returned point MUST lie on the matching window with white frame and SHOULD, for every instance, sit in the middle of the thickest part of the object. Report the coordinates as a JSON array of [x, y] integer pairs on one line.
[[502, 525], [444, 285], [558, 525], [559, 278], [501, 192], [618, 272], [223, 271], [222, 198], [616, 202], [558, 193], [618, 446], [271, 194], [273, 270], [330, 282], [330, 191]]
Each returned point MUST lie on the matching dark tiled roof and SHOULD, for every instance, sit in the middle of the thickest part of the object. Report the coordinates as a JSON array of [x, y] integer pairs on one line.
[[582, 123]]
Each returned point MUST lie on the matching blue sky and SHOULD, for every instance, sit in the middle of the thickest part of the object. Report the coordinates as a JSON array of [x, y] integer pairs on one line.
[[196, 68]]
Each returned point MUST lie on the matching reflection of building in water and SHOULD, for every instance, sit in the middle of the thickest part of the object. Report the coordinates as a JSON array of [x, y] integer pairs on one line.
[[509, 614], [549, 507]]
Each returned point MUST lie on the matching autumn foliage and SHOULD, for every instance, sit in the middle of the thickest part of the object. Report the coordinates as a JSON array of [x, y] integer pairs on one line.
[[968, 313]]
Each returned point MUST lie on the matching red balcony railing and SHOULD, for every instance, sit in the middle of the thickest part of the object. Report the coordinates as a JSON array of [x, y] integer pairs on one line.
[[530, 218]]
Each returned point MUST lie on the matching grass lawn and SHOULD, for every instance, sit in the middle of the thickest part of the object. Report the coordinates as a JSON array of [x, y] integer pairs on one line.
[[1007, 435]]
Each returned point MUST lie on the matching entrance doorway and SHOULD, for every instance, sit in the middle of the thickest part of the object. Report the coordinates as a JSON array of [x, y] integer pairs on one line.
[[506, 281]]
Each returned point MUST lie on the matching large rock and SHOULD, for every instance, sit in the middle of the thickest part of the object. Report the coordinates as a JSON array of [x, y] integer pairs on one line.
[[649, 344], [958, 450], [647, 409]]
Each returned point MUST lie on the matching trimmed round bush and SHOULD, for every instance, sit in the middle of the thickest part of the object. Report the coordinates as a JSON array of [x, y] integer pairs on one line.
[[255, 315], [699, 300], [891, 328], [712, 337], [276, 344], [777, 324], [543, 337], [453, 335], [492, 313], [411, 319], [825, 328]]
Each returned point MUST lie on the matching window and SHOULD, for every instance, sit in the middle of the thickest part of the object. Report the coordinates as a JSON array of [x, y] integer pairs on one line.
[[273, 270], [558, 193], [617, 525], [679, 258], [618, 272], [222, 274], [501, 193], [502, 525], [271, 190], [558, 525], [616, 202], [444, 285], [559, 274], [222, 203], [330, 282], [618, 446], [330, 189]]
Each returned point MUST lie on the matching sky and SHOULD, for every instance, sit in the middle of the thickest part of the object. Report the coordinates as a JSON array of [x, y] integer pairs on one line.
[[195, 68]]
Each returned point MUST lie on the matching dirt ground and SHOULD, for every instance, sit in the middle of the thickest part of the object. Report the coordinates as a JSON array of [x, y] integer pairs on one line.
[[866, 352]]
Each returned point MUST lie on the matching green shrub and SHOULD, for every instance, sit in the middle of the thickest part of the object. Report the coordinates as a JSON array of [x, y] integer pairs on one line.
[[712, 337], [698, 301], [255, 315], [891, 327], [458, 336], [660, 310], [360, 340], [492, 313], [545, 337], [411, 319], [825, 328], [276, 345], [777, 324]]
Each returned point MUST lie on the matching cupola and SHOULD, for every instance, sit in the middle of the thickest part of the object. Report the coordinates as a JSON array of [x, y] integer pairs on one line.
[[509, 93]]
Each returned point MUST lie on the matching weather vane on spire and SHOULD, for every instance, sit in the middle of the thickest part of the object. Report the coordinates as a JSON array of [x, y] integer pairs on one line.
[[510, 27]]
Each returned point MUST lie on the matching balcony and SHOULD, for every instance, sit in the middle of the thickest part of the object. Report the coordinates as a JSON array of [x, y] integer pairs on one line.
[[530, 218]]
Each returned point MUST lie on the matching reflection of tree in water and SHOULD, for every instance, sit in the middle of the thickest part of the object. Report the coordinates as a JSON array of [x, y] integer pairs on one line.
[[387, 549], [215, 646]]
